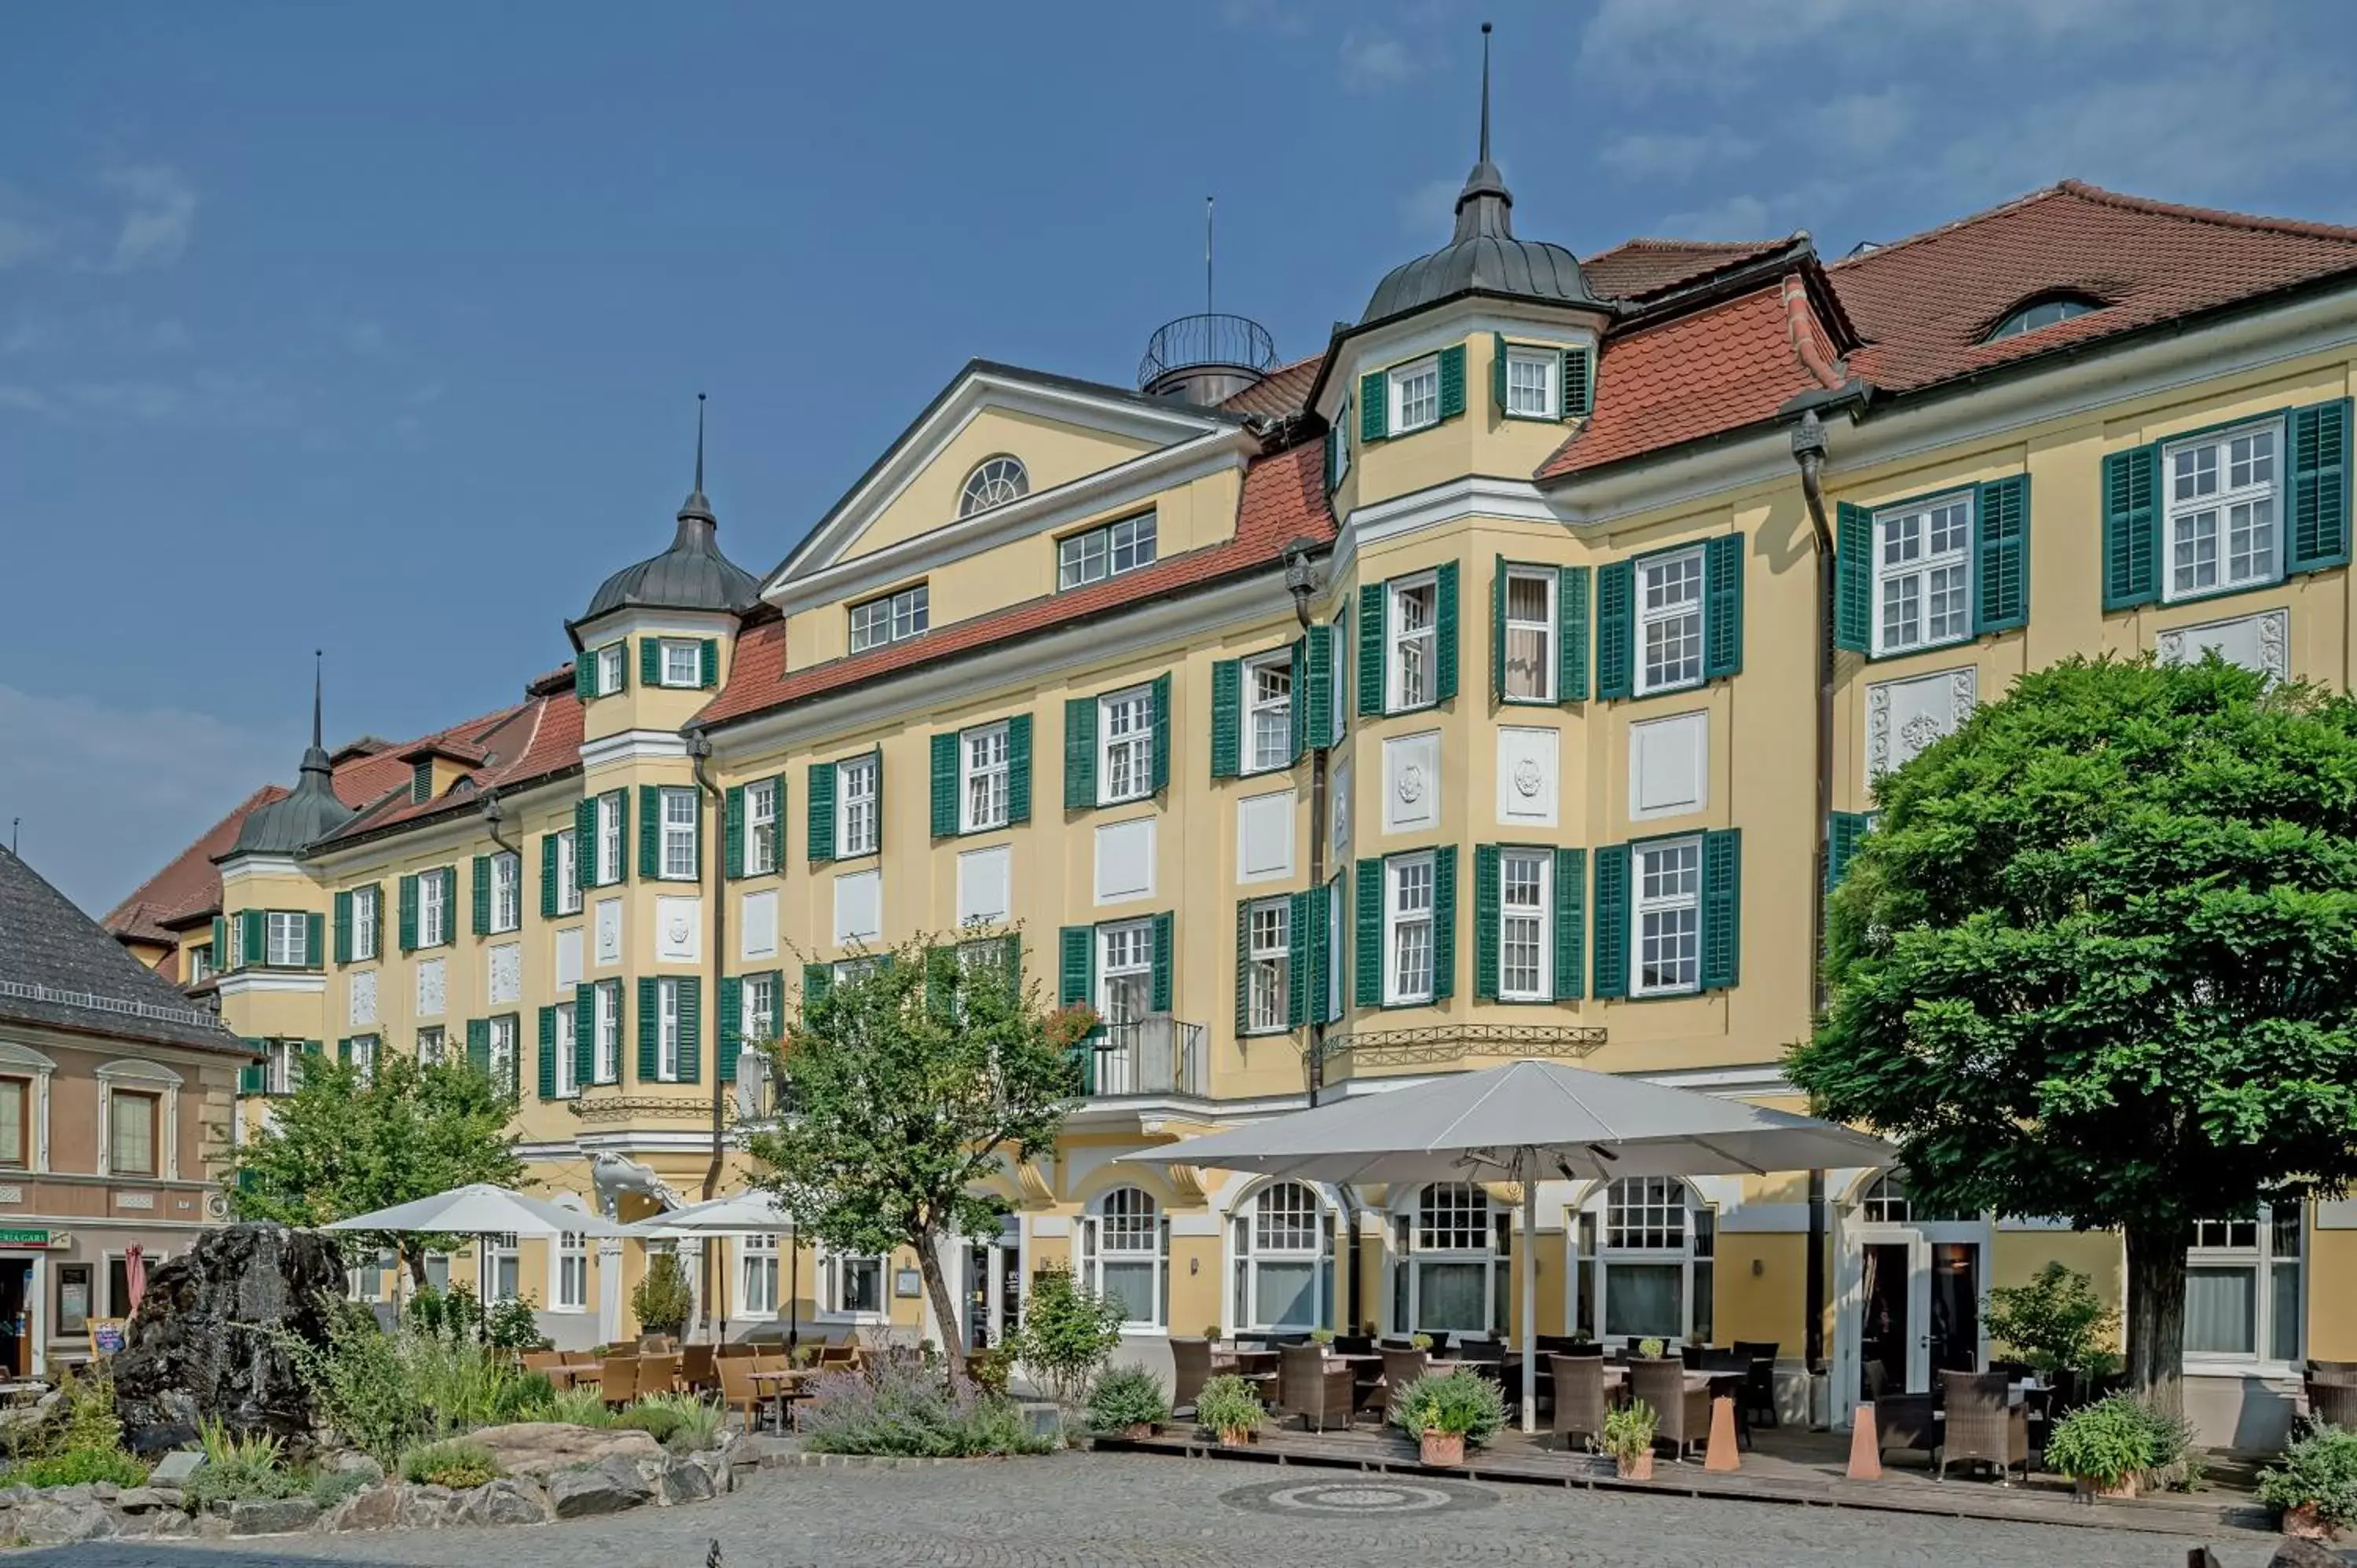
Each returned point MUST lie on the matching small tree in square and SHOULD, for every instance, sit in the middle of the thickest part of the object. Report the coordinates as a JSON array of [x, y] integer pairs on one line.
[[2098, 960], [902, 1088]]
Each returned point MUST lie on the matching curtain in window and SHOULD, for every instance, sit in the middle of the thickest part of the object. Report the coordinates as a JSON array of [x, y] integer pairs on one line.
[[1645, 1300], [2222, 1310], [1287, 1294], [1453, 1296]]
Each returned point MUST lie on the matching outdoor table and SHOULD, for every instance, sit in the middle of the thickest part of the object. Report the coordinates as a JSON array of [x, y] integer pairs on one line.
[[788, 1388], [573, 1374]]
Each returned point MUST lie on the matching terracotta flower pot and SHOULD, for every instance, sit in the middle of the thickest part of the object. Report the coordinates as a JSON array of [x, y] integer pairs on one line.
[[1235, 1436], [2303, 1522], [2120, 1490], [1444, 1448], [1634, 1466], [1137, 1429]]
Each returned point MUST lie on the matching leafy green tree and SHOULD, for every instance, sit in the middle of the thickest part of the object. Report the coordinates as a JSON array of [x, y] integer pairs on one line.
[[340, 1145], [2098, 960], [902, 1089]]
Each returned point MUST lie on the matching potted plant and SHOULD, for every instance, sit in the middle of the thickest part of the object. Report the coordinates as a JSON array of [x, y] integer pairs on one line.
[[2059, 1326], [1321, 1338], [1420, 1341], [1127, 1401], [2104, 1448], [1629, 1439], [663, 1299], [1445, 1411], [1651, 1350], [1212, 1334], [1231, 1408], [2314, 1484]]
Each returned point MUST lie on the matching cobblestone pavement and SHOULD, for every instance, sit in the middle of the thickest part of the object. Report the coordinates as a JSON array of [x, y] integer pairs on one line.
[[1133, 1512]]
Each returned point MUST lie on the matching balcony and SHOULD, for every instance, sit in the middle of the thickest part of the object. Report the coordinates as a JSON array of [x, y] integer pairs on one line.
[[1154, 1054]]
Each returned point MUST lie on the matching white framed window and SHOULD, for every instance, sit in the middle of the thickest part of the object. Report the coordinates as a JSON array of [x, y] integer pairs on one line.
[[1648, 1270], [430, 1043], [994, 482], [609, 868], [1268, 962], [362, 1057], [1669, 621], [1123, 1249], [1268, 710], [236, 945], [682, 662], [507, 892], [1445, 1279], [497, 1268], [1337, 924], [610, 670], [850, 1286], [1415, 389], [504, 1050], [680, 815], [667, 1030], [1342, 428], [1281, 1257], [364, 1281], [891, 619], [854, 807], [1525, 918], [200, 963], [982, 778], [433, 909], [1126, 746], [761, 827], [569, 1291], [1534, 383], [606, 1048], [1120, 546], [1886, 1202], [567, 1043], [1338, 676], [568, 873], [757, 1009], [2222, 511], [368, 923], [284, 934], [282, 1062], [1667, 914], [756, 1275], [2243, 1287], [1530, 635], [1922, 574], [1407, 928], [1125, 971], [1412, 626], [2045, 312]]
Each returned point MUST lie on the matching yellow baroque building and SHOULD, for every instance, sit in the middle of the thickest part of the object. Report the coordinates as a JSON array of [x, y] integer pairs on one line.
[[1446, 697]]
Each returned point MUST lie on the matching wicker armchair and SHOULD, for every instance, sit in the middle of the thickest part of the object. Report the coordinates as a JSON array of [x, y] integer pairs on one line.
[[1578, 1398], [1401, 1368], [2333, 1401], [1681, 1416], [1322, 1392], [1190, 1368], [1758, 1402], [1982, 1425]]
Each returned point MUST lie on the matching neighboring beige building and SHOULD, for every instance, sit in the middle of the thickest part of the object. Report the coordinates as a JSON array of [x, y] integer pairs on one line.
[[1527, 770]]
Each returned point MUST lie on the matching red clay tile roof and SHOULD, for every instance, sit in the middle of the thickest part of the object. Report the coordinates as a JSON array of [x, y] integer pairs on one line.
[[189, 884], [522, 744], [1636, 268], [1284, 499], [1280, 392], [1925, 303]]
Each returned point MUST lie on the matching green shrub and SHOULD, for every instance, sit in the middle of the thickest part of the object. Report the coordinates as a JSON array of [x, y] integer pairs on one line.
[[385, 1392], [901, 1407], [696, 1425], [1127, 1396], [79, 1466], [1629, 1431], [2056, 1322], [512, 1326], [240, 1468], [1459, 1403], [2319, 1471], [453, 1463], [1069, 1335], [1228, 1403], [2106, 1443], [580, 1407], [82, 1421], [330, 1487], [657, 1421], [526, 1396], [1321, 1337], [990, 1369], [663, 1298]]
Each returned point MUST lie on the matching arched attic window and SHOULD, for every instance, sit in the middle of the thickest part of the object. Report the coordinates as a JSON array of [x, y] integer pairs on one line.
[[994, 482], [2045, 310]]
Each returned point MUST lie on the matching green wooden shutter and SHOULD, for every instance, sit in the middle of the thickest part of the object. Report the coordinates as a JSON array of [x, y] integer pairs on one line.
[[1334, 438], [1375, 408], [1578, 383], [1570, 922], [1227, 718], [1318, 702], [421, 781], [1722, 605], [2001, 546], [1371, 649], [585, 843], [584, 1033], [1296, 705], [2318, 441], [708, 669], [1321, 939], [945, 785], [344, 1051], [649, 662], [1297, 958], [1161, 703], [650, 1031], [548, 1053], [820, 797], [1571, 634], [1076, 966], [1445, 637], [256, 937], [1452, 381], [1498, 631], [1080, 753], [254, 1079], [343, 927], [2131, 527], [315, 941], [1853, 578], [732, 831], [548, 876], [1843, 832], [1018, 768], [1498, 374], [585, 675], [1615, 629], [1722, 908], [1244, 967], [651, 831], [1444, 921], [691, 1029], [1486, 920], [480, 873], [409, 914], [1612, 919], [818, 979], [728, 1029], [478, 1044], [1368, 940], [221, 945], [1163, 924]]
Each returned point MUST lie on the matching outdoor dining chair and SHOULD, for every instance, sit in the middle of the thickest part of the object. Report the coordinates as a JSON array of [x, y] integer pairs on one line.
[[2332, 1402], [1320, 1391], [1681, 1416], [1579, 1398], [699, 1369], [737, 1349], [739, 1392], [1190, 1368], [1758, 1402], [658, 1374], [1983, 1426], [542, 1361], [1401, 1368], [619, 1384]]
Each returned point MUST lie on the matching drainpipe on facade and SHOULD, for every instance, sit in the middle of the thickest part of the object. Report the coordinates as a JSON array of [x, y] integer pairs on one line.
[[699, 752], [1301, 580], [1809, 452]]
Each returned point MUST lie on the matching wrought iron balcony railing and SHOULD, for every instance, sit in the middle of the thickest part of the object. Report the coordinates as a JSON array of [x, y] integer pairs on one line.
[[1154, 1054]]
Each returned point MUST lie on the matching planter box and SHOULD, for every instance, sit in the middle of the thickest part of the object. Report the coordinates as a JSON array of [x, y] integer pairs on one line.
[[1639, 1469], [1443, 1448]]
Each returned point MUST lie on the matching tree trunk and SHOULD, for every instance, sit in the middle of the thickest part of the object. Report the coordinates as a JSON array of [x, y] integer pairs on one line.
[[2156, 1330], [937, 1291]]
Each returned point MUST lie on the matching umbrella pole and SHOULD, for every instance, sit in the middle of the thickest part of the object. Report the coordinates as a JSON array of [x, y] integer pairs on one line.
[[1529, 1264]]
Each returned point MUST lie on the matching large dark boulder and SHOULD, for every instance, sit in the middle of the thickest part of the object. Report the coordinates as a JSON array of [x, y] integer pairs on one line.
[[203, 1345]]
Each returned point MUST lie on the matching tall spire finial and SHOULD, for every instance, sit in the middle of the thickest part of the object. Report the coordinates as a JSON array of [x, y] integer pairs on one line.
[[1485, 92], [1482, 206], [318, 655], [699, 439], [695, 512]]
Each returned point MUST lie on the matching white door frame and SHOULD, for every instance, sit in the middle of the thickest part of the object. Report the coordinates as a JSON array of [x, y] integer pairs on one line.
[[1851, 1237]]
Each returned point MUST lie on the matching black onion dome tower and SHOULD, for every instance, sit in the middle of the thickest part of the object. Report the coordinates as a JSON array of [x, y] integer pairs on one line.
[[310, 813], [692, 575]]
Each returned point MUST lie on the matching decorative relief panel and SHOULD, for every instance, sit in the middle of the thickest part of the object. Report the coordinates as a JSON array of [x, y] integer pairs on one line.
[[1903, 717], [1412, 782], [362, 983], [678, 930], [2261, 642], [432, 990], [1527, 767], [609, 930], [506, 972]]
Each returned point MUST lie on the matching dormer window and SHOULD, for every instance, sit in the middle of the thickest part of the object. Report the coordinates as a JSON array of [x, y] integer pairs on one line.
[[612, 670], [1107, 551], [891, 619], [1415, 396], [994, 482], [2043, 313], [683, 663]]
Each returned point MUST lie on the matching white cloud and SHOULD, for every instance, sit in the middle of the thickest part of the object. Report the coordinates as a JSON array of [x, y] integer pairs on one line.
[[1373, 60], [162, 218], [1647, 155], [1426, 210]]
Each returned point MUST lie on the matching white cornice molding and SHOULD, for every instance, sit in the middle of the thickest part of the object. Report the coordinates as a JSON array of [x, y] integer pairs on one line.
[[235, 867], [633, 745], [256, 981], [639, 621], [1428, 332], [1458, 500]]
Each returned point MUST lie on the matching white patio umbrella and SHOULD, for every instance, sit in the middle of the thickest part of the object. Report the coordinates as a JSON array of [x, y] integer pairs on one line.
[[481, 1209], [738, 1214], [1528, 1121]]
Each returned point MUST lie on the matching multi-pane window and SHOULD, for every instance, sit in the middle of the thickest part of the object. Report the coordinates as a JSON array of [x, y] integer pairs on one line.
[[854, 807], [1531, 375], [361, 1054], [1668, 916], [1886, 1202], [1106, 552], [610, 669], [1922, 574], [761, 827], [679, 823], [682, 662], [568, 873], [498, 1271], [1530, 636], [368, 922], [284, 934], [200, 963], [982, 778], [1268, 949], [1284, 1259], [1524, 910], [756, 1275], [507, 892], [236, 959], [1340, 430], [1125, 971], [1656, 1262], [1408, 933], [849, 1286], [609, 868], [1454, 1261], [891, 618], [564, 1044], [572, 1291], [1126, 746], [504, 1050], [1128, 1237], [430, 1043], [667, 1030], [606, 1048], [433, 909], [2243, 1287], [15, 1123], [1415, 396], [1268, 710], [2221, 528], [1415, 636], [282, 1066], [994, 482], [757, 1002], [131, 1125], [1669, 621]]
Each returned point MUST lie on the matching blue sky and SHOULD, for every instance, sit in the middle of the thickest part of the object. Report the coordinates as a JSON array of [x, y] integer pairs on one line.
[[378, 329]]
